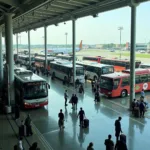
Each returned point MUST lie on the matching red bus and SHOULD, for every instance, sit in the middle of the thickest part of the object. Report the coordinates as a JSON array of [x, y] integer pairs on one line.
[[119, 65], [118, 84], [92, 58], [40, 61]]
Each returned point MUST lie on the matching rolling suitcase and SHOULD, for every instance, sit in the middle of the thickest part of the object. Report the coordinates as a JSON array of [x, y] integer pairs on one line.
[[123, 138], [22, 130], [86, 123]]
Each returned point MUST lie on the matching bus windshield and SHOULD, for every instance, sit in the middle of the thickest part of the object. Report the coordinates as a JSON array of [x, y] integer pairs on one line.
[[35, 90], [106, 70], [106, 83], [79, 71]]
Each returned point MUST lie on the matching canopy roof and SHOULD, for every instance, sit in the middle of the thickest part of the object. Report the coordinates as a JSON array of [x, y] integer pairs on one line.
[[32, 14]]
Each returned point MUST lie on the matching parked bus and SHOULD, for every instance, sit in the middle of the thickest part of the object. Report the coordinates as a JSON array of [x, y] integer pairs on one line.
[[94, 70], [24, 59], [64, 71], [119, 65], [118, 84], [92, 58], [144, 65], [31, 91], [64, 57], [40, 61]]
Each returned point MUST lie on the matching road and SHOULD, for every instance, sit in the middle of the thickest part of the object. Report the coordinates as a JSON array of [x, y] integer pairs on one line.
[[102, 117]]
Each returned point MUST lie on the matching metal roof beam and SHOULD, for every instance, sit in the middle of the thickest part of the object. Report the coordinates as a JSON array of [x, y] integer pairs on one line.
[[14, 3]]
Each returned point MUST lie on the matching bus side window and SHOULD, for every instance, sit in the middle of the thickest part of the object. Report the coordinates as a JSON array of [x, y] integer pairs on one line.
[[125, 82], [144, 78], [148, 77], [137, 80], [116, 83]]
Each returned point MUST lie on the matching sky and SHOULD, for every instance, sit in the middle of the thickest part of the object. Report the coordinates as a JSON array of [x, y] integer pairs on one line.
[[100, 30]]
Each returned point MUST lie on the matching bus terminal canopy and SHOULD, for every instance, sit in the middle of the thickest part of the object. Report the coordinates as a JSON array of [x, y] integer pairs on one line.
[[32, 14]]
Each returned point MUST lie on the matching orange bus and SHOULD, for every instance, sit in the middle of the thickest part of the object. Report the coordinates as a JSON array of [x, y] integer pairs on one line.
[[92, 58], [118, 84], [119, 65]]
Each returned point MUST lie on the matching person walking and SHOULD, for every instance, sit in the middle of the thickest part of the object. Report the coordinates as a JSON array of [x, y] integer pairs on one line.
[[72, 101], [61, 119], [20, 144], [142, 108], [118, 129], [90, 146], [75, 101], [142, 94], [28, 126], [109, 143], [81, 116], [66, 97], [34, 146]]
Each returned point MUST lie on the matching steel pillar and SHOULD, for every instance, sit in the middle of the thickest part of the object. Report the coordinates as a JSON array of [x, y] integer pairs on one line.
[[132, 53], [1, 61], [74, 50], [17, 44], [10, 57], [29, 48], [45, 45]]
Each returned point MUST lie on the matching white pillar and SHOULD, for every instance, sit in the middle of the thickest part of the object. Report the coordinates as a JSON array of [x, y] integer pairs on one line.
[[10, 57], [74, 50], [17, 44], [1, 60], [29, 48], [45, 45]]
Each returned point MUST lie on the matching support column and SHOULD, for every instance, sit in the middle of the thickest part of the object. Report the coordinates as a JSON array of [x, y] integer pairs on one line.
[[1, 61], [10, 58], [132, 54], [45, 44], [17, 44], [74, 50], [29, 48]]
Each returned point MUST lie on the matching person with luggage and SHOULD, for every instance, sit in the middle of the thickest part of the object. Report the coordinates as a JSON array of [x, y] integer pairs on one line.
[[81, 89], [66, 97], [118, 129], [28, 126], [142, 109], [61, 120], [75, 101], [81, 116], [109, 143], [22, 129], [90, 146]]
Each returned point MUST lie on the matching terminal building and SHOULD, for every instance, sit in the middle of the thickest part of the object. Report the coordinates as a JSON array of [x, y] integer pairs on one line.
[[139, 46]]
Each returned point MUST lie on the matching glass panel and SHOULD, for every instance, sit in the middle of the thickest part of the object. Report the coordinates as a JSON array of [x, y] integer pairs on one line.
[[106, 83], [35, 90], [144, 78], [116, 83], [125, 82]]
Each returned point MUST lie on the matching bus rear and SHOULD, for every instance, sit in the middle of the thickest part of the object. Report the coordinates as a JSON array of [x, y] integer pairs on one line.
[[111, 85]]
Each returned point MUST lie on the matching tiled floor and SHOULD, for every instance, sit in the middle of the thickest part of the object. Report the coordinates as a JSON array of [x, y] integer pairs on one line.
[[102, 117]]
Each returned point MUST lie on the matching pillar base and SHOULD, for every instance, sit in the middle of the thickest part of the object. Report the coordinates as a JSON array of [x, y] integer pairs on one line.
[[8, 109]]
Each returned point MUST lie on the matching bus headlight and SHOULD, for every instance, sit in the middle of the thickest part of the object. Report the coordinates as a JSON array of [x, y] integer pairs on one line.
[[27, 104], [109, 92]]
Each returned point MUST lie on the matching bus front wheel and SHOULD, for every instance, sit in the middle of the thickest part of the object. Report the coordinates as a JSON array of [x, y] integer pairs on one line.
[[124, 93], [53, 76]]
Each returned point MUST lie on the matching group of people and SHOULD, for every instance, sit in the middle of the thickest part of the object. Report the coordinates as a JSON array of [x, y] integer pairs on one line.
[[120, 139], [139, 106]]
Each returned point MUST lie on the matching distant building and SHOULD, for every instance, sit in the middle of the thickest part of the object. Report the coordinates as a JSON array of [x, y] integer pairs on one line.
[[139, 46], [99, 46]]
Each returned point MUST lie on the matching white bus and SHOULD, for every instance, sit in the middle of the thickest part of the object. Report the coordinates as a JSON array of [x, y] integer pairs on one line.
[[144, 66], [64, 71], [31, 91], [94, 70], [24, 59]]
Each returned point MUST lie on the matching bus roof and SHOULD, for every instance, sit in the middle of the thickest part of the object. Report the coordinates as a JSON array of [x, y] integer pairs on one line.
[[26, 76], [94, 64], [67, 64], [92, 56], [65, 56], [115, 75], [43, 58], [119, 60], [138, 71]]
